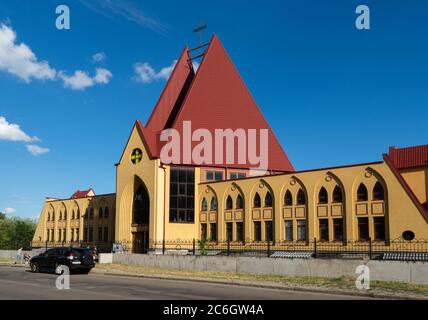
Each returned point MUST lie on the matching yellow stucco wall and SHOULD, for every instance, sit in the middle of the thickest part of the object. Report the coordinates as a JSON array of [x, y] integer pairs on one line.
[[417, 179], [400, 212], [151, 175], [53, 212]]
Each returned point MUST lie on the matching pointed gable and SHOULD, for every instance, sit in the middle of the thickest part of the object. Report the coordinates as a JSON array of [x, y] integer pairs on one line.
[[173, 94], [219, 99], [149, 139], [213, 98]]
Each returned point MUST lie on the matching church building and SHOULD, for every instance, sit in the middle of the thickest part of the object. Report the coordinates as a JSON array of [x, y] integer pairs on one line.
[[243, 188]]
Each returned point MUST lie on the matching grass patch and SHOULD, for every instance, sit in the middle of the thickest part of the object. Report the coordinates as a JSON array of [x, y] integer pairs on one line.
[[338, 283], [400, 286], [4, 260]]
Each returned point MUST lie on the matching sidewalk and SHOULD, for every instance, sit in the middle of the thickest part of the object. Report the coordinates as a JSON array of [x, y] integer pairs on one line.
[[382, 290]]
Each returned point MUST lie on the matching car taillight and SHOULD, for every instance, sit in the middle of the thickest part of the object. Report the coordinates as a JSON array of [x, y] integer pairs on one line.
[[70, 256]]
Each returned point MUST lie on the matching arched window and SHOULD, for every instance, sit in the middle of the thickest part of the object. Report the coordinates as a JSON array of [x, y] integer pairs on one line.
[[239, 202], [72, 215], [301, 198], [337, 195], [91, 213], [86, 214], [106, 213], [65, 214], [268, 200], [378, 193], [204, 205], [141, 206], [323, 196], [362, 193], [60, 215], [288, 198], [53, 216], [229, 203], [78, 214], [100, 213], [213, 205], [49, 216], [257, 201]]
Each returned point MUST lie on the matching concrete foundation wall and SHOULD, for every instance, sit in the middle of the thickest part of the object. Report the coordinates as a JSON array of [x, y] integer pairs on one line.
[[409, 272], [11, 254]]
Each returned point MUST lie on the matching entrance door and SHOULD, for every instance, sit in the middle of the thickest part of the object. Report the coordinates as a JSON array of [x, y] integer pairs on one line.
[[140, 242], [141, 218]]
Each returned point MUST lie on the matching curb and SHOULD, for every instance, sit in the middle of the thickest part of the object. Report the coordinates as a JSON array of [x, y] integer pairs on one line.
[[333, 291]]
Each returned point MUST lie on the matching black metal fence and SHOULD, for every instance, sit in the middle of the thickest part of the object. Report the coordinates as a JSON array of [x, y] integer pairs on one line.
[[102, 247], [415, 250]]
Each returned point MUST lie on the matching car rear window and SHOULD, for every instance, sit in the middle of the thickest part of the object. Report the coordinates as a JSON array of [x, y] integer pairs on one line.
[[81, 252]]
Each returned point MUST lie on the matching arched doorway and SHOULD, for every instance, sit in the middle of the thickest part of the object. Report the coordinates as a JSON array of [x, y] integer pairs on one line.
[[140, 218]]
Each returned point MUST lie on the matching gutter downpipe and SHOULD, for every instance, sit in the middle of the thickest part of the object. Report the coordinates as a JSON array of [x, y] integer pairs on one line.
[[161, 166]]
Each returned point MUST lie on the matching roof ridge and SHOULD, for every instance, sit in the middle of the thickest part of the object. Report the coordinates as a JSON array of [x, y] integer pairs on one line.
[[170, 95]]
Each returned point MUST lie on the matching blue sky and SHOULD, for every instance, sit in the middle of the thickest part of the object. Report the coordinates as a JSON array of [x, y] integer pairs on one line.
[[332, 94]]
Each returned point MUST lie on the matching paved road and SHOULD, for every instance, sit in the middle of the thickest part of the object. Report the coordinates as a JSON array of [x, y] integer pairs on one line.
[[19, 283]]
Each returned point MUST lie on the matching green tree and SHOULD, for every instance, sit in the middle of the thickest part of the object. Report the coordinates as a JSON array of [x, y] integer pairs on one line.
[[2, 216], [16, 232]]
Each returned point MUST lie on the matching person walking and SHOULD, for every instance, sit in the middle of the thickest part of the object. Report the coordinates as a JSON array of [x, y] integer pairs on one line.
[[19, 255]]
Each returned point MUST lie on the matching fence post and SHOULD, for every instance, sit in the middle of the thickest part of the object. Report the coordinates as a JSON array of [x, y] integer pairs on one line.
[[163, 246], [228, 247], [268, 249], [315, 247], [370, 248], [194, 247]]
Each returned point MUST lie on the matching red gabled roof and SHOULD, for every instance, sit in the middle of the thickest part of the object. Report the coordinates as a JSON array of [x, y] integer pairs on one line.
[[82, 194], [411, 157], [173, 93], [213, 98]]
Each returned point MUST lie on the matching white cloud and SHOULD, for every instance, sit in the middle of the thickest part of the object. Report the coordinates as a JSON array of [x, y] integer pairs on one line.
[[12, 132], [36, 150], [195, 65], [145, 73], [166, 72], [102, 76], [19, 60], [81, 80], [98, 57], [9, 210]]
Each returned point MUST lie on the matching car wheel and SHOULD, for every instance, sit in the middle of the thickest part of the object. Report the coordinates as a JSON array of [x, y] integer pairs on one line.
[[34, 267]]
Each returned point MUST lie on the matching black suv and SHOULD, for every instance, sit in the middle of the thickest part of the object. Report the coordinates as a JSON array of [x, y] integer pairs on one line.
[[77, 260]]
